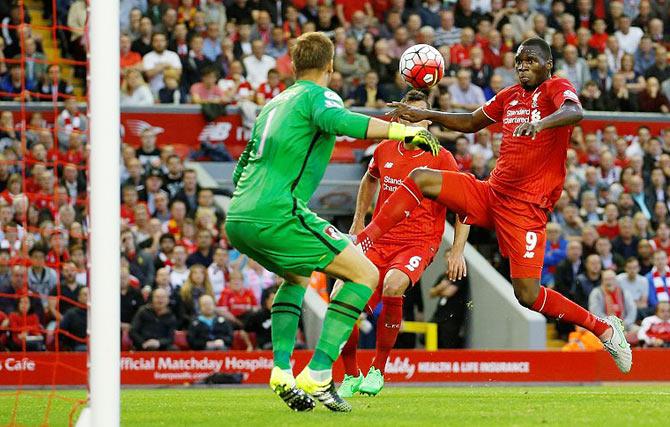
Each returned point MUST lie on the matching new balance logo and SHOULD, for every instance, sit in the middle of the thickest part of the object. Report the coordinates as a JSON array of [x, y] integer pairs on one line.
[[388, 165]]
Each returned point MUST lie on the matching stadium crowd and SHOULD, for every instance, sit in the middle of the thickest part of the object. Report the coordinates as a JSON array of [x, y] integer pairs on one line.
[[183, 286]]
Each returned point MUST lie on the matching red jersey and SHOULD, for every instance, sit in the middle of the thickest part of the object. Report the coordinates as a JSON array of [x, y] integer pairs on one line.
[[532, 170], [390, 164], [609, 231], [238, 302], [19, 323], [270, 92], [351, 6], [460, 54], [658, 245]]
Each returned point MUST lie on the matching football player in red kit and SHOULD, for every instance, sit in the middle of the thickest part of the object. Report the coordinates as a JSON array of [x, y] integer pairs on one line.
[[537, 117], [402, 254]]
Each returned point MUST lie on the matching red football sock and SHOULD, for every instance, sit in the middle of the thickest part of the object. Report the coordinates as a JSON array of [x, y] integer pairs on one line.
[[552, 304], [388, 327], [396, 208], [349, 354]]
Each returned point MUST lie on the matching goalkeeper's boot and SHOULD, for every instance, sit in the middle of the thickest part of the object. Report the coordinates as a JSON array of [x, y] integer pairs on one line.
[[283, 384], [350, 385], [323, 391], [617, 346], [373, 382]]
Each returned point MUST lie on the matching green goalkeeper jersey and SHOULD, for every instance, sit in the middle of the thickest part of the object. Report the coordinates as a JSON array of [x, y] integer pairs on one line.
[[290, 147]]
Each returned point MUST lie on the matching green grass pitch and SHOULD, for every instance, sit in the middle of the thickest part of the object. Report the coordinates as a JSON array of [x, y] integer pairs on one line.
[[610, 405]]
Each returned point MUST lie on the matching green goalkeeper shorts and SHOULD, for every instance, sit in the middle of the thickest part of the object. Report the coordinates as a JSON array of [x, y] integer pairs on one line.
[[300, 244]]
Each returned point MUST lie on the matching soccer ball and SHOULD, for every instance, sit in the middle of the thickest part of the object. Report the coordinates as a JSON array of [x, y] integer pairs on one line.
[[422, 66]]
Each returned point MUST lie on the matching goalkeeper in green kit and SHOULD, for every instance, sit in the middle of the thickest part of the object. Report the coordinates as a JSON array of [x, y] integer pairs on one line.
[[269, 221]]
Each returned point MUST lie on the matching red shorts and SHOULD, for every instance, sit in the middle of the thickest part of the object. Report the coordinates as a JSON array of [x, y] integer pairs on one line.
[[410, 259], [519, 225]]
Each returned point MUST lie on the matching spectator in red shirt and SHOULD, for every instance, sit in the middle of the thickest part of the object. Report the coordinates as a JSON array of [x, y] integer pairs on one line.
[[236, 301], [44, 197], [271, 88], [128, 58], [75, 150], [662, 239], [236, 84], [610, 226], [292, 26], [621, 160], [188, 233], [26, 331], [13, 189], [345, 10], [655, 330], [58, 253], [460, 52], [495, 49], [129, 199], [568, 29], [599, 38], [463, 156]]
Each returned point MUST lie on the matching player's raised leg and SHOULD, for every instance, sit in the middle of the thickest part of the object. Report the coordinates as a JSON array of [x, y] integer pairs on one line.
[[360, 278], [459, 192]]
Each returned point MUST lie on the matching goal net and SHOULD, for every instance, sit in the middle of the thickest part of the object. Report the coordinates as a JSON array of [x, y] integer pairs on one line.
[[57, 176]]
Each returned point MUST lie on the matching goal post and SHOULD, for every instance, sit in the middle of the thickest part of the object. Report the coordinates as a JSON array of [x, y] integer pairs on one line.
[[104, 312]]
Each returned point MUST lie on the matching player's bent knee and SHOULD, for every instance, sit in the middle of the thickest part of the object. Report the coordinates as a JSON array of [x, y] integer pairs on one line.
[[428, 180], [395, 283], [420, 176], [526, 292], [394, 289]]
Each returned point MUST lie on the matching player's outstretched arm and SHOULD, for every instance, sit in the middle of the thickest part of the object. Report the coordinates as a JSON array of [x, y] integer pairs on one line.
[[569, 113], [366, 192], [461, 122], [330, 116], [457, 268]]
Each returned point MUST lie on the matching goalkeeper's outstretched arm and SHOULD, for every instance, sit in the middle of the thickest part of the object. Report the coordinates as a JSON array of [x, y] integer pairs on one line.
[[331, 116]]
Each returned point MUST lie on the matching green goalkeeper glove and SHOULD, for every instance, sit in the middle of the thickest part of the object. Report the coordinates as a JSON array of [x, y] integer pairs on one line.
[[416, 136]]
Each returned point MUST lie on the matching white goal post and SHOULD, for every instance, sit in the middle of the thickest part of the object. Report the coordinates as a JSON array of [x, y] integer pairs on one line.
[[104, 306]]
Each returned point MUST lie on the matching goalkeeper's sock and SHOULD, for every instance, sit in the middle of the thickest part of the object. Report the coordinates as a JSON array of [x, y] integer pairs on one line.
[[350, 354], [396, 208], [388, 327], [341, 316], [286, 311], [552, 304]]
